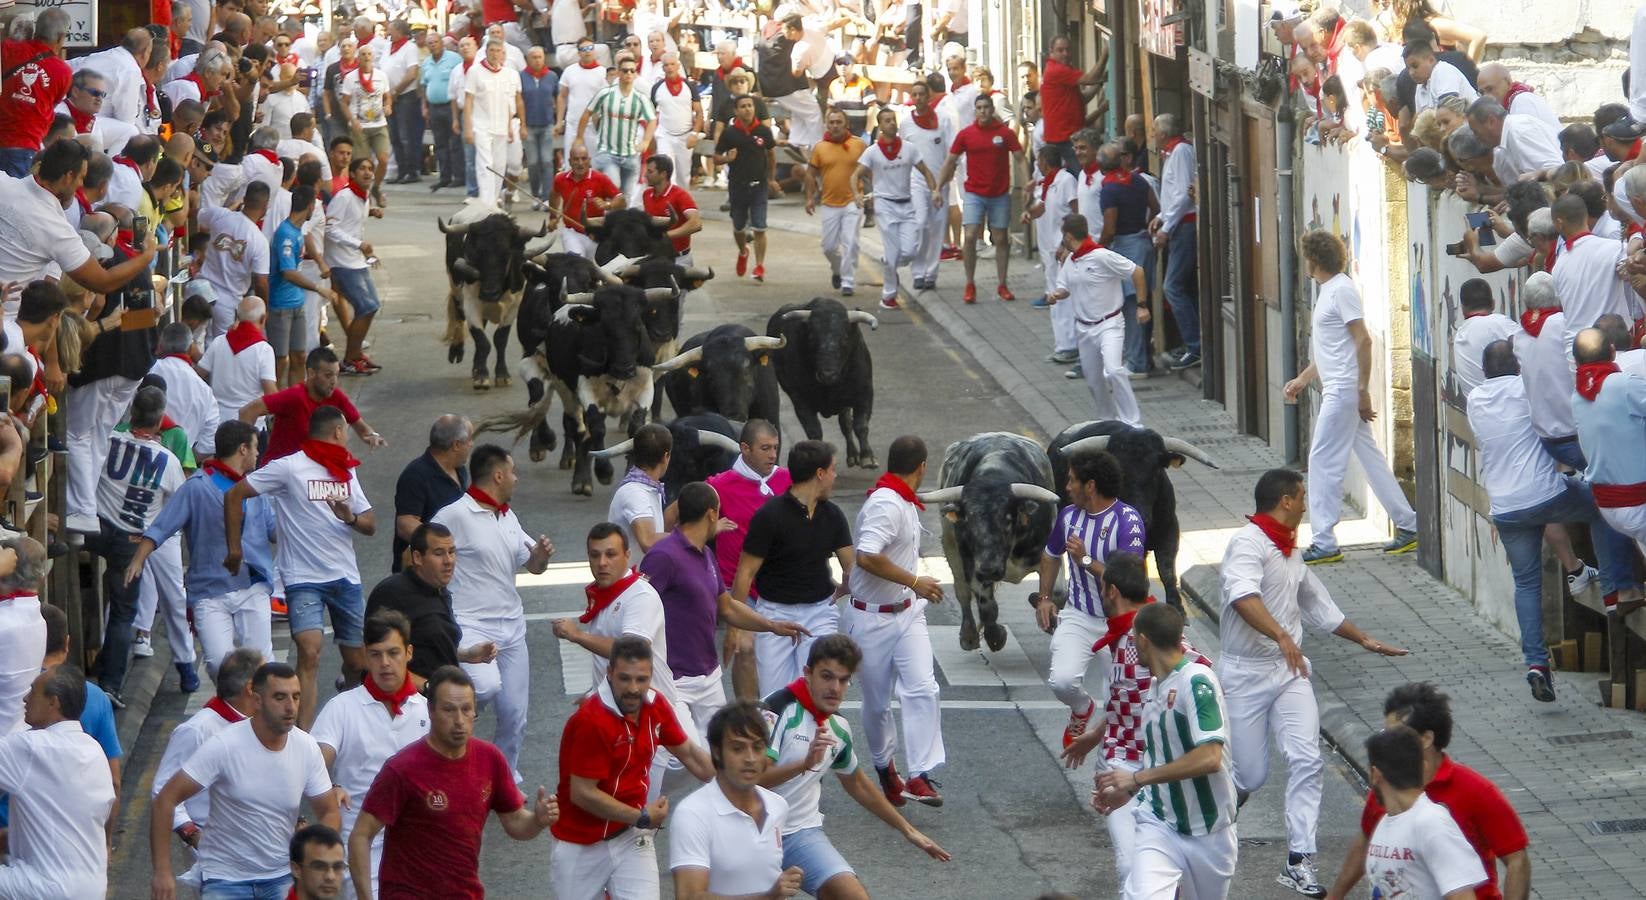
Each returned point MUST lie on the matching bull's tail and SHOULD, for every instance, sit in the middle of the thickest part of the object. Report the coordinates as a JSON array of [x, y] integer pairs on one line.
[[454, 334], [525, 422]]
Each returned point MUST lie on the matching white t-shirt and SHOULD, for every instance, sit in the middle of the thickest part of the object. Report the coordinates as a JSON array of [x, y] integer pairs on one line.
[[633, 500], [743, 858], [1469, 342], [236, 378], [1290, 590], [238, 253], [1518, 472], [137, 477], [1331, 346], [1058, 198], [888, 525], [399, 62], [1444, 79], [16, 344], [675, 112], [255, 795], [490, 550], [189, 402], [492, 98], [1421, 854], [637, 611], [1547, 377], [360, 731], [295, 150], [366, 105], [279, 109], [580, 85], [1528, 145], [1586, 282], [1513, 250], [1096, 283], [182, 744], [61, 795], [315, 546], [34, 234], [893, 178], [930, 145]]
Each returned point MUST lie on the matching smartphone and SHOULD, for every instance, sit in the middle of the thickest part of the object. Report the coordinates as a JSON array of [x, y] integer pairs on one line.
[[139, 232], [1482, 224]]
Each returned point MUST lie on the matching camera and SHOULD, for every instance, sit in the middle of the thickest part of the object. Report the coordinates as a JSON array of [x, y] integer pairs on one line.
[[1456, 249]]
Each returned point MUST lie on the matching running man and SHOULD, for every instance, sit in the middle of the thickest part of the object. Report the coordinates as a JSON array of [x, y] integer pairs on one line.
[[892, 168], [748, 151]]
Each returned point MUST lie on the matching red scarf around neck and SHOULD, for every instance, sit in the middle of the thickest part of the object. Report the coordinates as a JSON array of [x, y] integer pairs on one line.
[[485, 499], [269, 155], [1575, 238], [1515, 90], [357, 189], [1590, 377], [1046, 184], [1285, 539], [1090, 169], [837, 140], [182, 356], [1121, 176], [395, 700], [926, 120], [127, 162], [1170, 146], [489, 67], [1532, 319], [538, 73], [1118, 627], [194, 78], [1086, 246], [81, 201], [334, 458], [723, 71], [600, 598], [83, 121], [222, 468], [746, 129], [590, 65], [803, 696], [394, 46], [1476, 314], [344, 68], [899, 487], [957, 85], [221, 707], [675, 85], [243, 335], [365, 80], [890, 149]]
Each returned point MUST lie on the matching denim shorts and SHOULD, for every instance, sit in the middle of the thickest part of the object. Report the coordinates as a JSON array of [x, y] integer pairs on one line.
[[998, 209], [256, 889], [748, 202], [357, 287], [809, 848], [306, 605], [288, 331]]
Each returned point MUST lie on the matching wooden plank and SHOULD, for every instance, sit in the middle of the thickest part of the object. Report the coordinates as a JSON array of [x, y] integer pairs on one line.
[[1640, 691], [1619, 693], [1565, 656], [1593, 647]]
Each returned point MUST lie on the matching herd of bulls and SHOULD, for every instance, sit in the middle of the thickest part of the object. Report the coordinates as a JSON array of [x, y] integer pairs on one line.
[[603, 336]]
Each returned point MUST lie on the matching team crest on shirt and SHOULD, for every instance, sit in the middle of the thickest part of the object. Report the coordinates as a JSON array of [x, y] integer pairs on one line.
[[436, 799], [1171, 697]]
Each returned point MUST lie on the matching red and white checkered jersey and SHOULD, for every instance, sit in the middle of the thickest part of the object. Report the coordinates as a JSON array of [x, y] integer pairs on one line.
[[1129, 681]]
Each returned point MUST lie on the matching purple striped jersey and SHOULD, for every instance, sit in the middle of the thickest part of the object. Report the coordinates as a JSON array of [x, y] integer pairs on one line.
[[1117, 528]]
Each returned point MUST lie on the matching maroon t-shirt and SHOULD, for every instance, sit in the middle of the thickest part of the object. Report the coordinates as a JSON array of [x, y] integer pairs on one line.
[[292, 409], [435, 811]]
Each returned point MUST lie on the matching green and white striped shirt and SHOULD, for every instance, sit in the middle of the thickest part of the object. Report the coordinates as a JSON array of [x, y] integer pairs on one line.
[[619, 120], [792, 729], [1184, 710]]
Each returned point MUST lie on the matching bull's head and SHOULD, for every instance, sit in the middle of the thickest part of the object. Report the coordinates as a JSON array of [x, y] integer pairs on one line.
[[1173, 451], [988, 516], [628, 232], [617, 311], [830, 329], [494, 250], [725, 363]]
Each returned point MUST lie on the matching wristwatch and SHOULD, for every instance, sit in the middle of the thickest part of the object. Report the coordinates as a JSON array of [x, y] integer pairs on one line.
[[1085, 562]]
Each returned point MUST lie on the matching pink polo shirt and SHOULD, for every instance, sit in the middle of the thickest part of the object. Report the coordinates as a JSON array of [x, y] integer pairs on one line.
[[739, 499]]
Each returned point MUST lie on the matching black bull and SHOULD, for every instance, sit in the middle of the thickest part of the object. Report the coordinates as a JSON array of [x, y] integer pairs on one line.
[[1144, 457], [703, 445], [826, 370], [485, 263], [726, 370]]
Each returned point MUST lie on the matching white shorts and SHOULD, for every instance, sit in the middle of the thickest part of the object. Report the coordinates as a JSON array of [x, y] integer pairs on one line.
[[623, 867]]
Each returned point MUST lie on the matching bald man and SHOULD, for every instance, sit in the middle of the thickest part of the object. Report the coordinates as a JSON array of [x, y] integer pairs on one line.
[[1610, 411]]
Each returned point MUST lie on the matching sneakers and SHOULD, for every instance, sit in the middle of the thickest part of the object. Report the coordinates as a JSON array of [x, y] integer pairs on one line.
[[1075, 374], [1300, 875], [1316, 554], [141, 646], [1063, 357], [834, 281], [277, 608], [1543, 687], [188, 678], [760, 274], [949, 251], [360, 366], [971, 294], [847, 291], [1005, 293], [890, 302], [1077, 724], [891, 784], [1040, 302], [1186, 361], [1405, 541], [922, 789], [742, 262], [1579, 581]]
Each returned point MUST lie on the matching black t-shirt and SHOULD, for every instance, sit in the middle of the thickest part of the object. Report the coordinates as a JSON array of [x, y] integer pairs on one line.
[[1406, 88], [796, 548], [434, 631], [752, 146], [723, 111], [333, 81], [422, 490], [128, 354]]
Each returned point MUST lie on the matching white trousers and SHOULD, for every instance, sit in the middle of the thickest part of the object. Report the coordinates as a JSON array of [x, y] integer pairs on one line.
[[674, 147], [1072, 655], [162, 582], [1062, 314], [37, 881], [929, 224], [236, 619], [491, 155], [1103, 363], [841, 225], [664, 762], [623, 867], [93, 411], [574, 241], [507, 680], [897, 652], [780, 660], [1338, 433], [22, 647], [1629, 521], [1168, 864], [805, 119], [702, 696], [899, 239], [571, 136], [1266, 699], [1121, 824]]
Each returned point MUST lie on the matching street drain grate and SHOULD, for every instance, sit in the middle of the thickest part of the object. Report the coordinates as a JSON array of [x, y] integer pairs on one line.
[[1591, 737], [1618, 826]]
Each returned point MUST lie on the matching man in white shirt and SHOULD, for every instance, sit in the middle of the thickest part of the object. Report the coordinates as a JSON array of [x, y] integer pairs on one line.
[[401, 66], [281, 106], [886, 616], [1480, 327], [299, 144], [1341, 358], [122, 68], [236, 254], [211, 68], [1269, 594], [679, 118], [1434, 78], [34, 235], [257, 774], [491, 547], [133, 167], [1528, 493], [359, 729], [189, 400], [1541, 348], [1417, 849], [1495, 81], [319, 506], [578, 86], [494, 119], [891, 165], [637, 504], [1585, 271], [1523, 147], [1174, 229], [929, 135], [240, 369], [87, 94], [1091, 280], [58, 847]]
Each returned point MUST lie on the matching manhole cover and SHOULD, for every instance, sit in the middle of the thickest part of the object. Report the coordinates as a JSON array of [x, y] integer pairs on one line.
[[1618, 826], [1591, 737]]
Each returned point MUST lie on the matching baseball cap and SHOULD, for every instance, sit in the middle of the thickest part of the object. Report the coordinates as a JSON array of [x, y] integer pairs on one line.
[[1624, 129]]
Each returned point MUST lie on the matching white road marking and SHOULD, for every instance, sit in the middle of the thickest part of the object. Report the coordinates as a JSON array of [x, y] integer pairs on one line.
[[1009, 666], [576, 669]]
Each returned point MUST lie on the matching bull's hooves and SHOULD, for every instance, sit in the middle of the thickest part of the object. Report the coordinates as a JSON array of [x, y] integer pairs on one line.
[[454, 354], [565, 462], [502, 381], [583, 490], [995, 635], [482, 384], [853, 462], [870, 462], [538, 455], [968, 637]]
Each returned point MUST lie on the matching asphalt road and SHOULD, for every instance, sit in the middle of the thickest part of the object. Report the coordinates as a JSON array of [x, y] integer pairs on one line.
[[1015, 820]]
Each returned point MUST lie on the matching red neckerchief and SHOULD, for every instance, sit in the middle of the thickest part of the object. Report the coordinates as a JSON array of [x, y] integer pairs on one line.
[[291, 59], [80, 198], [899, 487], [746, 129], [1532, 319], [1121, 176], [123, 239], [1046, 184], [357, 189], [167, 423], [243, 335], [926, 120], [151, 100], [221, 707], [394, 46], [214, 464], [395, 700], [840, 140], [344, 68], [365, 80], [890, 150], [272, 157], [1477, 314], [737, 63], [675, 85], [803, 696], [602, 597], [959, 84], [173, 43], [489, 67], [1086, 247], [194, 77], [334, 458], [590, 65], [1089, 169], [126, 161], [1590, 376], [466, 64], [1170, 146], [13, 595], [1285, 539], [83, 121], [1575, 238], [182, 356], [1549, 257], [1515, 90], [1118, 627], [538, 73], [1634, 150], [486, 500]]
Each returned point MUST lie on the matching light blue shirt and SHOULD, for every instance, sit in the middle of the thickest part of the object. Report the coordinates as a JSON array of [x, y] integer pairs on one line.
[[436, 76], [1610, 430], [197, 510]]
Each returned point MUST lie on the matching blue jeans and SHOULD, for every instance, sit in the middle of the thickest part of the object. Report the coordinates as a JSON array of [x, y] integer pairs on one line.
[[117, 547], [15, 161], [1522, 534], [1179, 284], [810, 850], [469, 182], [1139, 248], [622, 170], [257, 889], [539, 156], [1567, 453], [306, 605]]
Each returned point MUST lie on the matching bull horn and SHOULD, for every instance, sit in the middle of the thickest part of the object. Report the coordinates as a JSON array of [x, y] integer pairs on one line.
[[614, 450], [662, 220], [1025, 491], [689, 358], [1086, 445], [580, 297], [942, 495], [1178, 445], [797, 315], [628, 271], [697, 274], [465, 268], [612, 267], [859, 317], [453, 228], [654, 294], [540, 245], [752, 344], [596, 222], [716, 439]]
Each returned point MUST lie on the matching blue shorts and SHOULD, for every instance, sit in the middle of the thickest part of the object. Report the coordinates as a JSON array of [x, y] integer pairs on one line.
[[809, 848], [306, 605], [748, 202], [974, 207], [357, 287]]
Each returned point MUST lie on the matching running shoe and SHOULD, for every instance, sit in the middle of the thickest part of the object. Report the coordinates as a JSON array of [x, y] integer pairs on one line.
[[922, 789], [890, 302], [742, 262], [1543, 687], [760, 274], [1077, 724], [1579, 581], [1300, 876], [949, 251], [1316, 554], [971, 293], [891, 784], [1405, 541], [1005, 293], [142, 646]]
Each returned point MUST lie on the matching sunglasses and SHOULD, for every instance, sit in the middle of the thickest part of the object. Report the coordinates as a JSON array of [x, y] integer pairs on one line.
[[95, 93], [587, 48], [626, 71]]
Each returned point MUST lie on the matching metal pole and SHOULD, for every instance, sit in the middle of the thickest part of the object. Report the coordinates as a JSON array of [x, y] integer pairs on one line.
[[1284, 123]]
